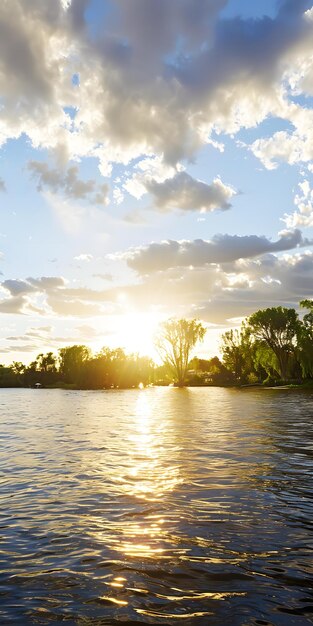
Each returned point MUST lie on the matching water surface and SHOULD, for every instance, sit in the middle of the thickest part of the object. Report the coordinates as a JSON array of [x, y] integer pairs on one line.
[[157, 506]]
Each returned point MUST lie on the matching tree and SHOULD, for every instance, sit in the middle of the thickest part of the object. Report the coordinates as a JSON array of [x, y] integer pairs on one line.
[[72, 359], [265, 361], [237, 353], [278, 327], [305, 340], [174, 343], [47, 362]]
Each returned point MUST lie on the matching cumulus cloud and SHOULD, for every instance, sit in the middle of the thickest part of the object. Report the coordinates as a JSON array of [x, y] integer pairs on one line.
[[182, 191], [158, 79], [303, 216], [68, 182], [220, 249]]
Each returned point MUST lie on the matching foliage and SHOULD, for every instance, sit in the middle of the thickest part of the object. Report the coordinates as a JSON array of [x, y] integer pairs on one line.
[[72, 359], [174, 343], [278, 328], [208, 372], [265, 360], [237, 354], [305, 340]]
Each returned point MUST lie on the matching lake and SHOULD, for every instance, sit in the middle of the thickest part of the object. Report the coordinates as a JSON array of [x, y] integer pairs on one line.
[[156, 506]]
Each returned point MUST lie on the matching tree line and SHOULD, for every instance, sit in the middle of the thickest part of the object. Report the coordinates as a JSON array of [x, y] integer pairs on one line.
[[272, 346], [76, 367]]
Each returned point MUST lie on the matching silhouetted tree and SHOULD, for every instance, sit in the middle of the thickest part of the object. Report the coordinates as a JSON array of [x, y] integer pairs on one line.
[[72, 359], [47, 362], [174, 343]]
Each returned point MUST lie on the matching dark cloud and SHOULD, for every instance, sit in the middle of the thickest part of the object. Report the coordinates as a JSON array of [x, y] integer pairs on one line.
[[17, 287]]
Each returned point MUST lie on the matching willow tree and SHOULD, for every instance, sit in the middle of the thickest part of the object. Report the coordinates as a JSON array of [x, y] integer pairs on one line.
[[174, 343]]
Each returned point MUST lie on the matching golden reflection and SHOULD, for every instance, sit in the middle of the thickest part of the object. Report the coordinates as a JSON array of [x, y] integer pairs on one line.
[[150, 475], [113, 600], [173, 616]]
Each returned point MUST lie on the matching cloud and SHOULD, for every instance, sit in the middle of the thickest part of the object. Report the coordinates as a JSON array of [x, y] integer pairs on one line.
[[220, 249], [184, 192], [68, 182], [2, 185], [303, 216], [83, 257], [218, 293], [159, 78], [17, 287], [214, 292], [47, 283], [15, 304], [50, 295], [21, 296]]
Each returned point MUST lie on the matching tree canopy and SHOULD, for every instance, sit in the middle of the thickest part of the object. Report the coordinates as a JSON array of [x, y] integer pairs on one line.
[[175, 341], [278, 328]]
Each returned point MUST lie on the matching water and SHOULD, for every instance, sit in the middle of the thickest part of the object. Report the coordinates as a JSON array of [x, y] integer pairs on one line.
[[156, 506]]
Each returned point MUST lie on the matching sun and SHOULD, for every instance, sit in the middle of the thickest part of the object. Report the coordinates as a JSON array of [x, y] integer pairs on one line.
[[136, 330]]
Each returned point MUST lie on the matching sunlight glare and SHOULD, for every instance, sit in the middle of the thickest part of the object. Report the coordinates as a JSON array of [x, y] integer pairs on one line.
[[136, 331]]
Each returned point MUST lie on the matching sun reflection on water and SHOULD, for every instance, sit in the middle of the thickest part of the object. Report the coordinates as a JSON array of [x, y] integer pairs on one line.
[[150, 475]]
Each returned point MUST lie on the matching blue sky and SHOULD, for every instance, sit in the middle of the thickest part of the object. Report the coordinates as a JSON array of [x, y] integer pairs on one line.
[[156, 160]]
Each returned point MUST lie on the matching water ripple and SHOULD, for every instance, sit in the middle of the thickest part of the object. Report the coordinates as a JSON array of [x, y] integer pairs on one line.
[[156, 506]]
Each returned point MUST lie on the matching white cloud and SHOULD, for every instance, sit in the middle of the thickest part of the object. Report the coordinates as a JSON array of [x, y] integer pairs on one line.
[[303, 216], [83, 257], [157, 80]]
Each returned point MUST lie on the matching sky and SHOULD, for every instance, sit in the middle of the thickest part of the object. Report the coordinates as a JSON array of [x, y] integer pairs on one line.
[[156, 161]]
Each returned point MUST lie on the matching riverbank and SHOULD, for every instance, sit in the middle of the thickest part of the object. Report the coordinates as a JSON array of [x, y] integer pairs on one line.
[[72, 387]]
